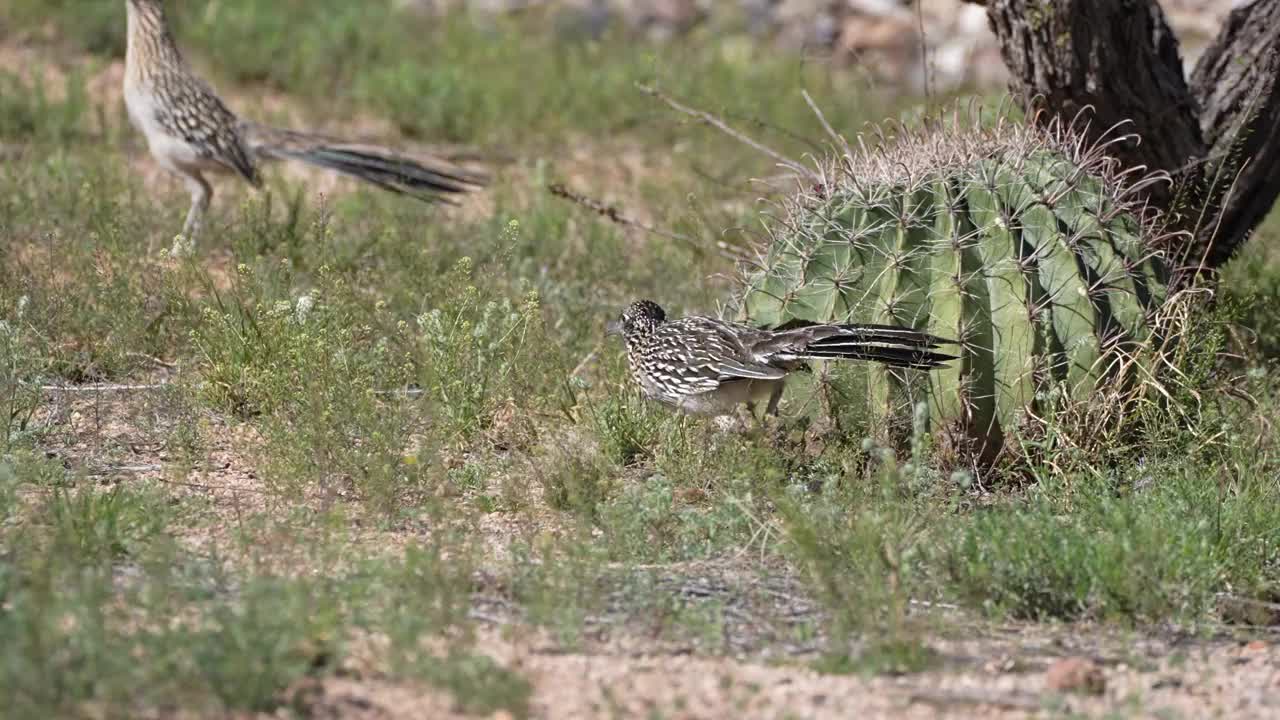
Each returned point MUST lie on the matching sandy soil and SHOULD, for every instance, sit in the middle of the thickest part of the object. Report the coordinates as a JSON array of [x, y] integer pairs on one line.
[[1141, 677]]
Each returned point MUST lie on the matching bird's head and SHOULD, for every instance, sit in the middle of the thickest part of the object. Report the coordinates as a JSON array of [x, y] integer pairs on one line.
[[640, 317]]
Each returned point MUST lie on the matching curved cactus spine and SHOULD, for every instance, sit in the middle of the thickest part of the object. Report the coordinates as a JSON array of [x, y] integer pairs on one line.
[[1020, 242]]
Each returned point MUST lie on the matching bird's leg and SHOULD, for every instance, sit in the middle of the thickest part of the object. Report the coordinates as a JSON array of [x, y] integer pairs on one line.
[[774, 397], [770, 423], [201, 195], [753, 420]]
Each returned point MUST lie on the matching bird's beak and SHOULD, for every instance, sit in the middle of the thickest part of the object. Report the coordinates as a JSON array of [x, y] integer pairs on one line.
[[613, 327]]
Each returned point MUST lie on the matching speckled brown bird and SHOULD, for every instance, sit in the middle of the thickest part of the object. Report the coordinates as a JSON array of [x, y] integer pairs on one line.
[[191, 132], [704, 365]]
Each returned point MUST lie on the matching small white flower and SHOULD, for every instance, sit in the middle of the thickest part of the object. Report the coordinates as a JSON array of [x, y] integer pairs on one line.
[[23, 302], [182, 247]]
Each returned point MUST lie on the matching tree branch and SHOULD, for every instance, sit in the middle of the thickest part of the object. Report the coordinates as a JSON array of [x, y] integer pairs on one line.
[[1118, 57], [1121, 58], [1236, 87]]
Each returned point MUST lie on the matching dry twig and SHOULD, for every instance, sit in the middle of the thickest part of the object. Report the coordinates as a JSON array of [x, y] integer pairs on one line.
[[103, 387], [615, 215], [720, 125]]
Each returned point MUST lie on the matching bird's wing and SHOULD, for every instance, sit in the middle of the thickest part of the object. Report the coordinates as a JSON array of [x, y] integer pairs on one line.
[[705, 352], [198, 116], [786, 346]]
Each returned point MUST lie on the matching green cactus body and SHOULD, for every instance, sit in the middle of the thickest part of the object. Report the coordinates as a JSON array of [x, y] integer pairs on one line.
[[1016, 242]]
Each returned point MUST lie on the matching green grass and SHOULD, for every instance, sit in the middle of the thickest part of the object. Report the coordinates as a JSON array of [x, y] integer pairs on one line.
[[294, 333], [466, 78], [102, 607]]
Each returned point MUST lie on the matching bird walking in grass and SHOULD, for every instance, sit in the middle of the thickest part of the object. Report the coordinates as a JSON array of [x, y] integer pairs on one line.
[[191, 132], [708, 366]]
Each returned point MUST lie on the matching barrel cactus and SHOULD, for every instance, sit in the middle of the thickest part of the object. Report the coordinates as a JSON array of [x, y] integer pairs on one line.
[[1020, 242]]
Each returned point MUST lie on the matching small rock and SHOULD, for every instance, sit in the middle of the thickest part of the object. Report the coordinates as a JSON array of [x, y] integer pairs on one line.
[[1167, 683], [1076, 674], [1002, 664]]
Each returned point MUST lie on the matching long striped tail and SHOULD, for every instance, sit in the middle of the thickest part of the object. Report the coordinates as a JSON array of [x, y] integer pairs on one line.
[[431, 179], [887, 344]]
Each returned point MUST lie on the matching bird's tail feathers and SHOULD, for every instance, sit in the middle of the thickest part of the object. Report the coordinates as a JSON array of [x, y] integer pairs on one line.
[[430, 179], [895, 356], [888, 344]]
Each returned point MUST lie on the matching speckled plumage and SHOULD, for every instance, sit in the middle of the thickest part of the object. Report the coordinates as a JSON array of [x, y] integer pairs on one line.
[[187, 108], [705, 365], [190, 131]]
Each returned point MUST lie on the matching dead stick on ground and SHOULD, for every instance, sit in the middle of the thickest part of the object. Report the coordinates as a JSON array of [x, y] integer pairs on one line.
[[616, 215], [408, 392], [110, 470], [152, 360], [105, 387], [720, 125], [203, 486], [951, 698]]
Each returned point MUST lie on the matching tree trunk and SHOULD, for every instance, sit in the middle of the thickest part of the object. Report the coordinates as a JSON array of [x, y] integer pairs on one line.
[[1218, 137]]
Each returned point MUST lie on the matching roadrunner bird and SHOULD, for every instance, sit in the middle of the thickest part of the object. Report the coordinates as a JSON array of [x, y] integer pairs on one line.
[[703, 365], [191, 132]]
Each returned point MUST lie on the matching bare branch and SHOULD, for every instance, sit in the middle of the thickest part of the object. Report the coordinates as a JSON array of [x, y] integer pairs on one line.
[[720, 125], [1219, 137], [104, 387], [1236, 87], [615, 215]]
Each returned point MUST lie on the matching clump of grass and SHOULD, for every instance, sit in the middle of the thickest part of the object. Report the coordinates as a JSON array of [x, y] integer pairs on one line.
[[22, 366], [102, 609], [480, 686], [628, 431], [320, 380], [1161, 552], [103, 526], [862, 543], [276, 631], [250, 332], [478, 352], [1251, 283], [1140, 532], [29, 114], [94, 25], [94, 305], [574, 478]]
